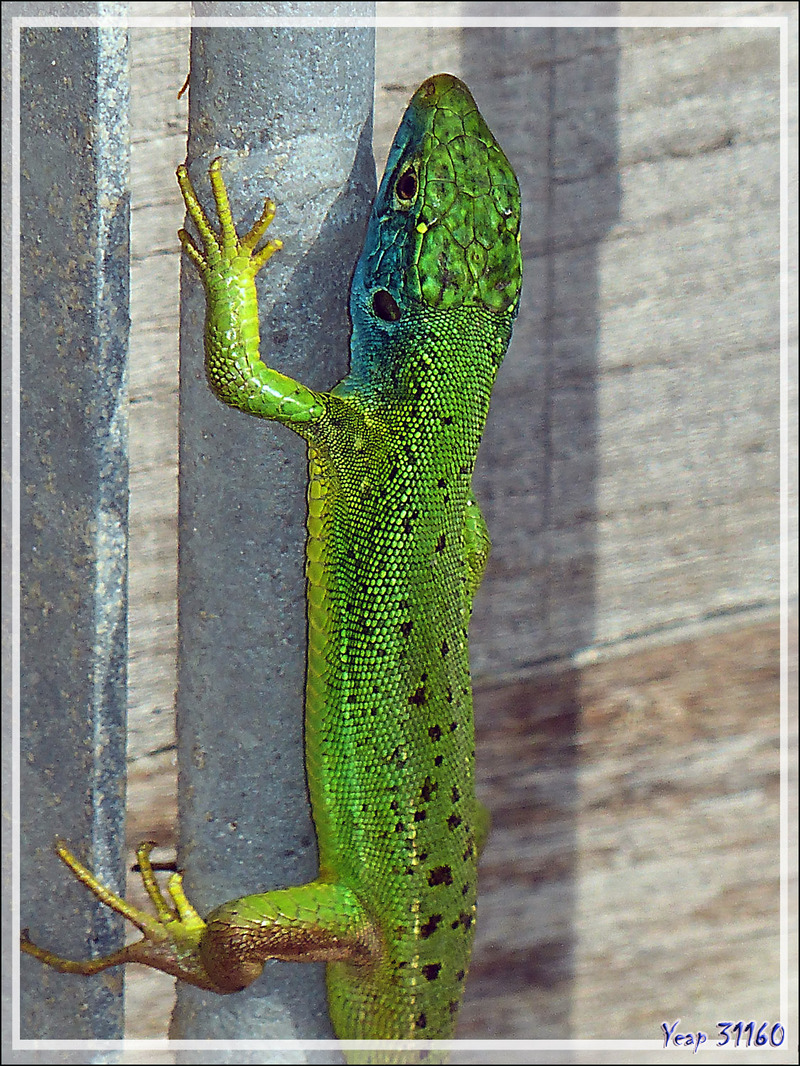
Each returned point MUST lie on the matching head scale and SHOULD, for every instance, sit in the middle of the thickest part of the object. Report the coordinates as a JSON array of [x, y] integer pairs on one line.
[[444, 230]]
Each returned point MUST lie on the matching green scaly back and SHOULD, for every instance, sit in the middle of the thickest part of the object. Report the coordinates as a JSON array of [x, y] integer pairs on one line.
[[432, 302]]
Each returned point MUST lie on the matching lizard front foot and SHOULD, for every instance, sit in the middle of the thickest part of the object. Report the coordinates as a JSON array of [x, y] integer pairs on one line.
[[227, 254], [171, 940]]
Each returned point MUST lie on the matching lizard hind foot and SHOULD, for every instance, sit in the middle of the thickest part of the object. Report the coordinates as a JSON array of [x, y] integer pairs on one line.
[[171, 937]]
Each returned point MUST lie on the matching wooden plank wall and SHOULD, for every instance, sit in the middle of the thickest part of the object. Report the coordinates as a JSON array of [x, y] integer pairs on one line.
[[625, 641]]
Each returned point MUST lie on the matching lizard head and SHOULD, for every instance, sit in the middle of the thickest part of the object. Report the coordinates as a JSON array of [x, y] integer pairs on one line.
[[444, 229]]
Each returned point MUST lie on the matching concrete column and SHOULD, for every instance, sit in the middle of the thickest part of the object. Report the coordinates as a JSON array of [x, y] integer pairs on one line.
[[74, 509]]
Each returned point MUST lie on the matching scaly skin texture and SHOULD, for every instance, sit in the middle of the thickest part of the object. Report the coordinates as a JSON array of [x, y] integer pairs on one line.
[[396, 550]]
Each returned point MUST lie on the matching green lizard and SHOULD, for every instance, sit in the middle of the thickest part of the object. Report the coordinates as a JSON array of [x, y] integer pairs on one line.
[[396, 550]]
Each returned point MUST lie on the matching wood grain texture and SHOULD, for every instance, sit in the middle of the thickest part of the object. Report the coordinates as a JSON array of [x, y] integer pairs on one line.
[[632, 870], [159, 63]]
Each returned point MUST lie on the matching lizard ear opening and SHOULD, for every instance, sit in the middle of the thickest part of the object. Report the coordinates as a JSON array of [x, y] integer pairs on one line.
[[385, 306]]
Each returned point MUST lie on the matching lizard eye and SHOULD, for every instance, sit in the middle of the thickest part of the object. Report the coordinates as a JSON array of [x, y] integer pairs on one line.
[[385, 306], [407, 184]]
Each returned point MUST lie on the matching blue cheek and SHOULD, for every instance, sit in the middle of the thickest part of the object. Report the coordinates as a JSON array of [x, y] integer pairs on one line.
[[361, 312]]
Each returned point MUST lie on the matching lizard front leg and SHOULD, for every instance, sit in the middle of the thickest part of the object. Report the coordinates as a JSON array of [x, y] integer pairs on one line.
[[477, 546], [228, 265]]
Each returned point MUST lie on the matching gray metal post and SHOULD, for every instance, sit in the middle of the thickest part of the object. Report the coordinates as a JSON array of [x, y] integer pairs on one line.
[[290, 112], [74, 501]]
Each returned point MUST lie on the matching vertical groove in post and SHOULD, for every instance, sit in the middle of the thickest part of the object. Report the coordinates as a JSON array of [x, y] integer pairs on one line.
[[74, 510], [289, 111]]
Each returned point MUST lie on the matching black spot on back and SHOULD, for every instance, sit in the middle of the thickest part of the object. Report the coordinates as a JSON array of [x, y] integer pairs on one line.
[[440, 875], [428, 789], [430, 926]]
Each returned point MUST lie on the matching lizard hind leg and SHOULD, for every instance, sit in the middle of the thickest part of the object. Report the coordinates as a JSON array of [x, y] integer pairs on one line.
[[171, 936], [316, 922]]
